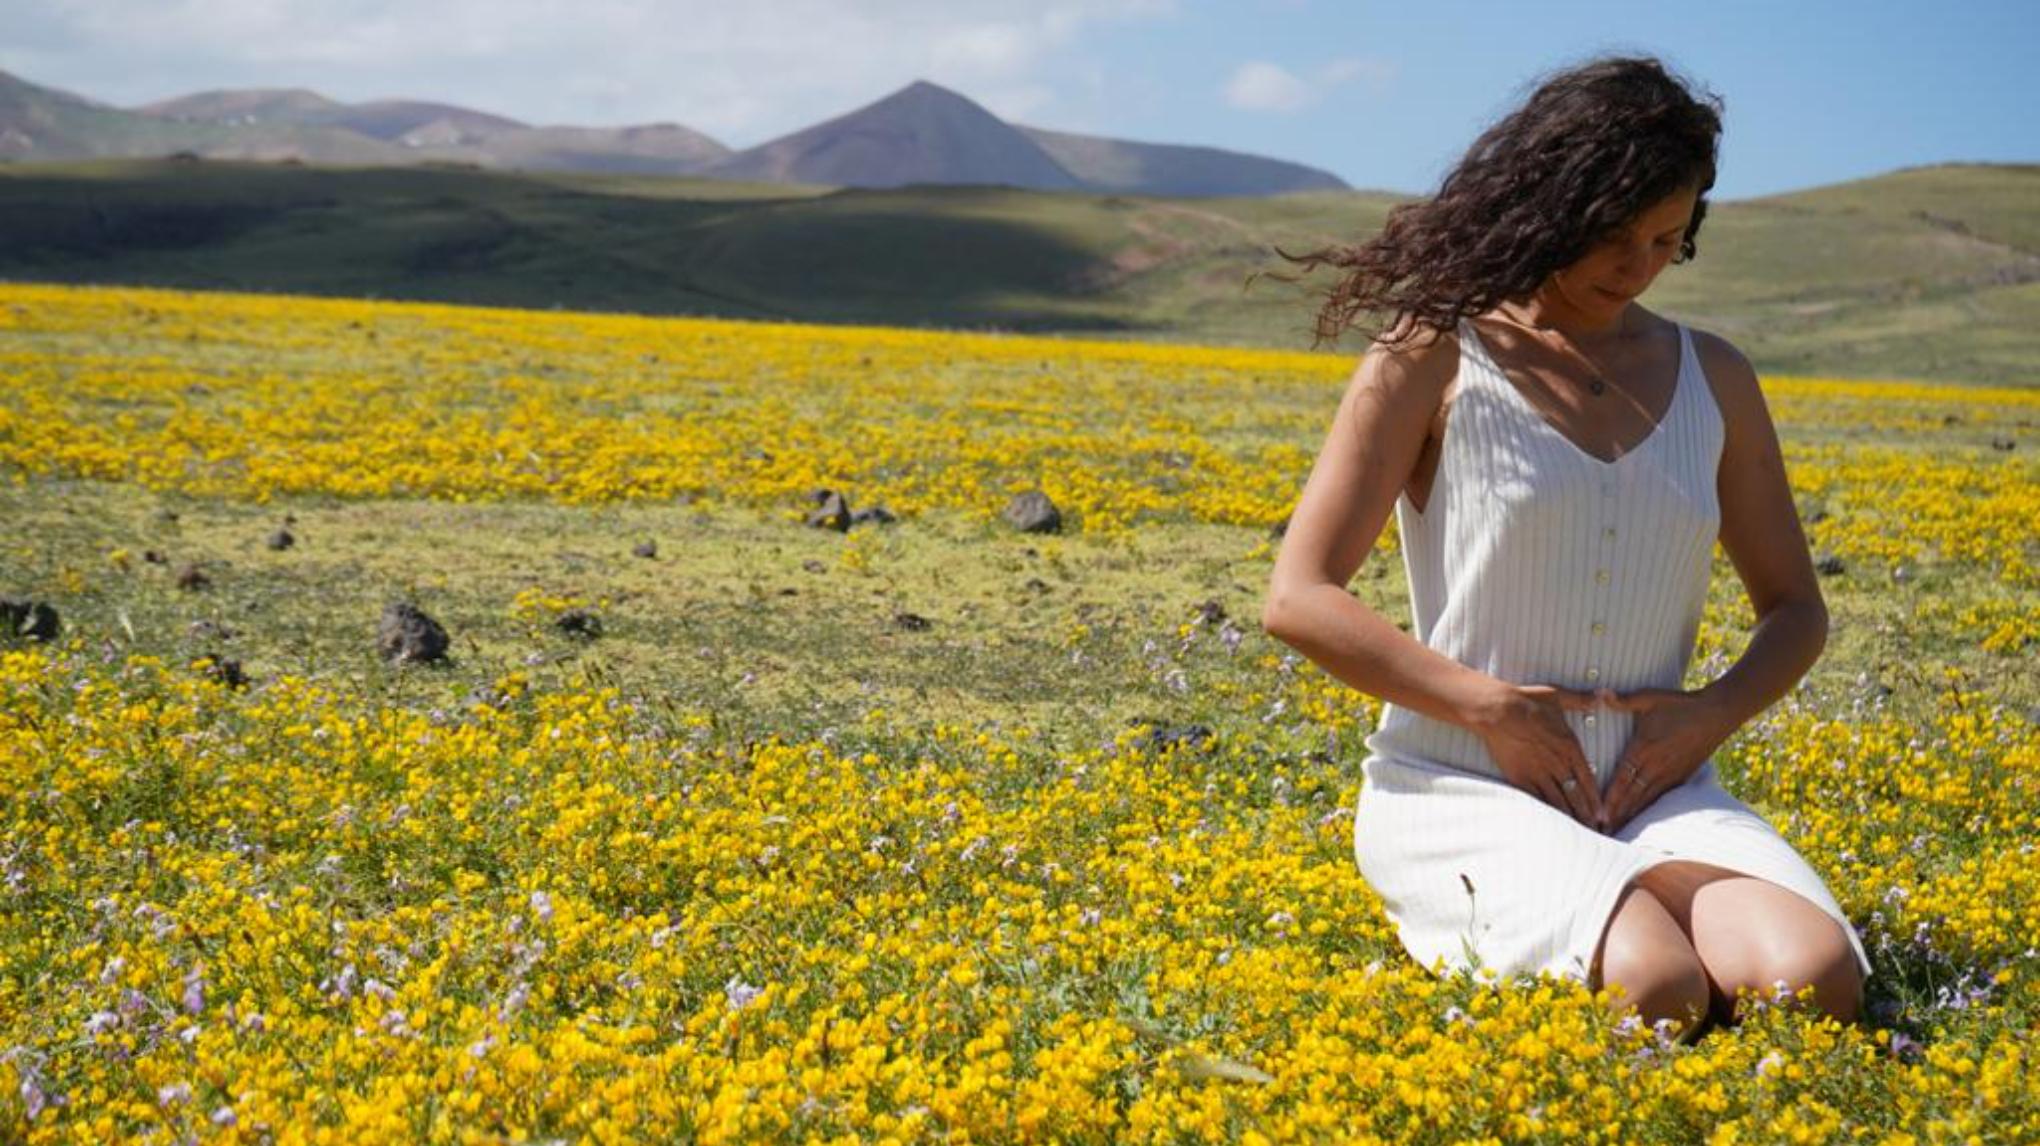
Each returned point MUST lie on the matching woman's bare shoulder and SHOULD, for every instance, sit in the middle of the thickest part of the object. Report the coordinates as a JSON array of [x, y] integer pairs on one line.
[[1729, 375], [1415, 368]]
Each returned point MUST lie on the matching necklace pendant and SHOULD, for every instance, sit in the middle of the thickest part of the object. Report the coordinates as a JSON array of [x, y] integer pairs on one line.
[[1596, 386]]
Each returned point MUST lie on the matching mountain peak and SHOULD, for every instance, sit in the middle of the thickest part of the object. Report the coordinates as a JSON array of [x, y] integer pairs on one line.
[[921, 133], [925, 93]]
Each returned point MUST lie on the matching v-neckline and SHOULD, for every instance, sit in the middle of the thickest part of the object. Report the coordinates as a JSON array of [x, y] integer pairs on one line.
[[1678, 387]]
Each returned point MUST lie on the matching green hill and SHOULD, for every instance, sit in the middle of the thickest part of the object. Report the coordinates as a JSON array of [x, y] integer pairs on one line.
[[1930, 273]]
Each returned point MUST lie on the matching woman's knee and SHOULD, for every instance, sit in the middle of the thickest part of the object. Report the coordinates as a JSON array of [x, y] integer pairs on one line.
[[1646, 954], [1779, 946], [1824, 962]]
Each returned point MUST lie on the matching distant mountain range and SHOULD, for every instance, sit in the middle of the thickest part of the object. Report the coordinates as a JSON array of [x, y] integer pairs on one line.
[[920, 134]]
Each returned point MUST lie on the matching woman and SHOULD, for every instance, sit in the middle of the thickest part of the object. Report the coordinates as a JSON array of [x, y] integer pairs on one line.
[[1539, 793]]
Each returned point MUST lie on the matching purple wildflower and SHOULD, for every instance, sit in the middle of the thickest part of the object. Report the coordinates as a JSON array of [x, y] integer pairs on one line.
[[740, 993], [1230, 635], [32, 1095], [514, 1001]]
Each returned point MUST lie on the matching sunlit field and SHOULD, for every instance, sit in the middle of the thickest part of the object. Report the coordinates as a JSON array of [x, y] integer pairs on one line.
[[927, 830]]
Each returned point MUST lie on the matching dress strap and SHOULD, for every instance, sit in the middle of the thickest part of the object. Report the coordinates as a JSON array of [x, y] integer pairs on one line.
[[1470, 344]]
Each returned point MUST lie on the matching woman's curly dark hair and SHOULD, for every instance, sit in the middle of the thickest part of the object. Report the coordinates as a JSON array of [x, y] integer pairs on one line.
[[1592, 148]]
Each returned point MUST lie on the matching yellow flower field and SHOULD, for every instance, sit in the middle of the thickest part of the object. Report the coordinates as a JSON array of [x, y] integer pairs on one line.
[[542, 897], [295, 396]]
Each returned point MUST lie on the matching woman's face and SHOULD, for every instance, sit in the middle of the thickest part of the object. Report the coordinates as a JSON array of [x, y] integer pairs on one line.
[[1623, 265]]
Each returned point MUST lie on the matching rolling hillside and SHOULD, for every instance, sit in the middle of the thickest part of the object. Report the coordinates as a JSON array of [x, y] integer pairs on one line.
[[1929, 273]]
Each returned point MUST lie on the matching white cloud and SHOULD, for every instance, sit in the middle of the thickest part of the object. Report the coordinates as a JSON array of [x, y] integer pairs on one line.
[[1261, 86], [743, 72], [1258, 85]]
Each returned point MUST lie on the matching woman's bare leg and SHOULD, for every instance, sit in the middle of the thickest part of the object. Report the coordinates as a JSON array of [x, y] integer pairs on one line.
[[1645, 952], [1750, 932]]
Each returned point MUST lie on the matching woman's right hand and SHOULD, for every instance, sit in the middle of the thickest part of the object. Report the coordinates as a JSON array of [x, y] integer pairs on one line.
[[1525, 732]]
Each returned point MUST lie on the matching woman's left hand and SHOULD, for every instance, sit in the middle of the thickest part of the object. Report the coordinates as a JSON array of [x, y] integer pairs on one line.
[[1672, 735]]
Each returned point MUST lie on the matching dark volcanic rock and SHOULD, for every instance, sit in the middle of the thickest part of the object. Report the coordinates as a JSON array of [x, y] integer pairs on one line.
[[579, 623], [224, 670], [281, 540], [832, 513], [191, 578], [29, 620], [645, 549], [1033, 512], [407, 635]]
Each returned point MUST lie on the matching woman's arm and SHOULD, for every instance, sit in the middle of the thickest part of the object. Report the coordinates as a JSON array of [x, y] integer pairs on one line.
[[1367, 459], [1760, 533]]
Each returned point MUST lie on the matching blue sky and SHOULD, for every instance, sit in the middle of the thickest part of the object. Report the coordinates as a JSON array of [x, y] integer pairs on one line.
[[1384, 95]]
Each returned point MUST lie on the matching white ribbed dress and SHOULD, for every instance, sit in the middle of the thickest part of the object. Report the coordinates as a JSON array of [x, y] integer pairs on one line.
[[1538, 563]]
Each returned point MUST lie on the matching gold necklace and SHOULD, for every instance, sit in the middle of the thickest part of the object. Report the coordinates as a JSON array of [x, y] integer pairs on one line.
[[1596, 384]]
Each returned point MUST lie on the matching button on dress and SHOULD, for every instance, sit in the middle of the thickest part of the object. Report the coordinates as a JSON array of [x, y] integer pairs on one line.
[[1538, 563]]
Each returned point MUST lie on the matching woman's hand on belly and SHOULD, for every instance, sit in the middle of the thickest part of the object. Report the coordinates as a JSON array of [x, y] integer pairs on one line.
[[1525, 732], [1673, 734]]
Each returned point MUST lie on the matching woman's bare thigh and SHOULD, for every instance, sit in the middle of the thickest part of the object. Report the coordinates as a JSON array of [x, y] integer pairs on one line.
[[1675, 882]]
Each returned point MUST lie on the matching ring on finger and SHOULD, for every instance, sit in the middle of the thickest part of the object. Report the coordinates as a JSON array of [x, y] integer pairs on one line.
[[1568, 784]]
